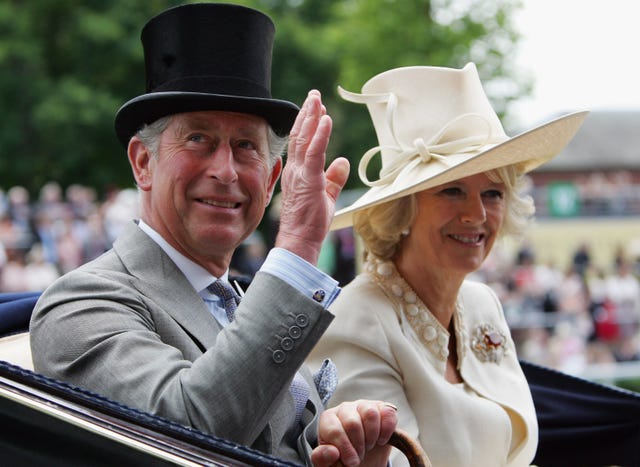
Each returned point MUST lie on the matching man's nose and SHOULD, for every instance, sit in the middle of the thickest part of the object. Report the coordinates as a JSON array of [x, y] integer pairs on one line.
[[222, 164]]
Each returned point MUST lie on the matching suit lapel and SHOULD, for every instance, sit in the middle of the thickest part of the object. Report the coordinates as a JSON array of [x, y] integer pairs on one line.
[[161, 280]]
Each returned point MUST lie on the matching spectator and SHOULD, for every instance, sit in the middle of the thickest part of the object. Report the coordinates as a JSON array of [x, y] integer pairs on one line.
[[623, 289], [38, 273], [582, 259]]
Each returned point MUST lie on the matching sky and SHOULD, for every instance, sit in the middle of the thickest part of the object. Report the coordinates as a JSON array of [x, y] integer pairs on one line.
[[582, 54]]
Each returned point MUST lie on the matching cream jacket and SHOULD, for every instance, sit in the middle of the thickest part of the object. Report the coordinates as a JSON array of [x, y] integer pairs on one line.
[[387, 345]]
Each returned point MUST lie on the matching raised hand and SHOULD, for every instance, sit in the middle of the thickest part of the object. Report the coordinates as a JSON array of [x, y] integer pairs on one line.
[[309, 193]]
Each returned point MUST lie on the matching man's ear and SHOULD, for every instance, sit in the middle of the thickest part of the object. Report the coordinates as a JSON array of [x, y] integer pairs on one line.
[[140, 159], [275, 174]]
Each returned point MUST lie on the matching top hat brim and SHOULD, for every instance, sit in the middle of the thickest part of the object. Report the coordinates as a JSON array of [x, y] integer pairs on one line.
[[148, 108], [526, 151]]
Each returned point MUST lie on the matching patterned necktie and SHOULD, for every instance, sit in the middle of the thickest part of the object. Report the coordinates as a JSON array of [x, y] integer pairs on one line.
[[229, 297]]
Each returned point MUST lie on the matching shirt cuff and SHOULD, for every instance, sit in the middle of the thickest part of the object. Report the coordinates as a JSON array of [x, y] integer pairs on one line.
[[301, 275]]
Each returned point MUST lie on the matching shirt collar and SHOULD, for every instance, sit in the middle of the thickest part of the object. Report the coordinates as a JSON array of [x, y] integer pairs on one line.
[[197, 276]]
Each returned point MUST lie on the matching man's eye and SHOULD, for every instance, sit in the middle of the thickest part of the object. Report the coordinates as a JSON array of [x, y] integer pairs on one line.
[[246, 145], [196, 138]]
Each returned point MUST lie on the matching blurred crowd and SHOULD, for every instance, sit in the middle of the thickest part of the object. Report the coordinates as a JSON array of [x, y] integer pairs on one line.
[[569, 317], [42, 238], [596, 194], [565, 318]]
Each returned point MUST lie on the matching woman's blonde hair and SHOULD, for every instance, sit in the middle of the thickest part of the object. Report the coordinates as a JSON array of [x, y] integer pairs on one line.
[[381, 226]]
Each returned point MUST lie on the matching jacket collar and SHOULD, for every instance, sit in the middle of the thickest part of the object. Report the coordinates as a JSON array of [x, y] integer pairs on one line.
[[158, 278]]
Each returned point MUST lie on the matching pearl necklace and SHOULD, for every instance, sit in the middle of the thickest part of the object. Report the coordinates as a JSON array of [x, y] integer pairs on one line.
[[428, 329]]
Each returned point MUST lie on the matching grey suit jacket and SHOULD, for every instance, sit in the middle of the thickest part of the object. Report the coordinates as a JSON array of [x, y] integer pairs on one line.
[[129, 326]]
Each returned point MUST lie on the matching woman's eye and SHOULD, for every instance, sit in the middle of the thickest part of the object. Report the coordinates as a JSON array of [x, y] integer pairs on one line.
[[451, 191], [494, 194]]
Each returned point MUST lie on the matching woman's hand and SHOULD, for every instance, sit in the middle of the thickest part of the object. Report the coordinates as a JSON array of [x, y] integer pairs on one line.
[[355, 433]]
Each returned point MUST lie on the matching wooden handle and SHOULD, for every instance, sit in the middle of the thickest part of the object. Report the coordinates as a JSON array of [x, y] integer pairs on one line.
[[412, 450]]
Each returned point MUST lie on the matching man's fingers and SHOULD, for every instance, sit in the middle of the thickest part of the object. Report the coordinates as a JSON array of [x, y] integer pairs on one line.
[[337, 174], [313, 155], [309, 192], [304, 128]]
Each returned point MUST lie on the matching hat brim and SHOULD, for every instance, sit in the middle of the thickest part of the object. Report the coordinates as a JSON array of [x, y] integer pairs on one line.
[[148, 108], [526, 151]]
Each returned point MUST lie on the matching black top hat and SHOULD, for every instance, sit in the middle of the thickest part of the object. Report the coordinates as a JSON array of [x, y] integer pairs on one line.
[[206, 56]]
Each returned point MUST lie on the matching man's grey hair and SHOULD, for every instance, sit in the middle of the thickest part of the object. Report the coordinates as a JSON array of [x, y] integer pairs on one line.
[[150, 133]]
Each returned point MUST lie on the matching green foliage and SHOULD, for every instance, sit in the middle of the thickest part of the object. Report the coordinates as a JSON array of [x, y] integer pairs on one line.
[[325, 43], [68, 65], [630, 384]]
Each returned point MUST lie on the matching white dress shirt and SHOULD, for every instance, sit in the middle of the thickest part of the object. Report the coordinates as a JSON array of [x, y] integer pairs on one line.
[[281, 263]]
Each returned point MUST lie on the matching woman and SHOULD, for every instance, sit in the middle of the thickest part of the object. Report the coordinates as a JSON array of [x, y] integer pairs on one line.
[[410, 329]]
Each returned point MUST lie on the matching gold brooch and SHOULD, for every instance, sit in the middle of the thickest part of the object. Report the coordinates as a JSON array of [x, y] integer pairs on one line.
[[488, 343]]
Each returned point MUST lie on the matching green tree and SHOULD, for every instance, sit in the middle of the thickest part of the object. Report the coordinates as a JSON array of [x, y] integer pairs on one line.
[[69, 64], [325, 43], [67, 67]]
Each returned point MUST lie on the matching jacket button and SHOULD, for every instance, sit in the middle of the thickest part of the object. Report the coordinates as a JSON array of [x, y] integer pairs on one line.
[[295, 332], [302, 320], [286, 343], [278, 356]]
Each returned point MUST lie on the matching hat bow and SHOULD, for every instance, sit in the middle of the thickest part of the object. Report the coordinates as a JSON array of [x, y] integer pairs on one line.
[[436, 149]]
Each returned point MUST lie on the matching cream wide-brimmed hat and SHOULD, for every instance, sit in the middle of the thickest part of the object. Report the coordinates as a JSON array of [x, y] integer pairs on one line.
[[436, 125]]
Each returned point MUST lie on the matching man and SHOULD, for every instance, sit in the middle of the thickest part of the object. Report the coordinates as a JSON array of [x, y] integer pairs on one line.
[[144, 325]]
